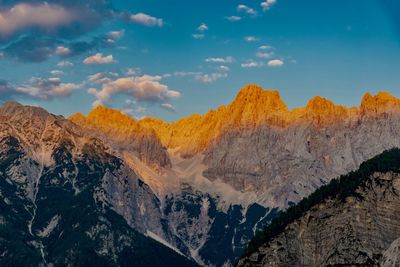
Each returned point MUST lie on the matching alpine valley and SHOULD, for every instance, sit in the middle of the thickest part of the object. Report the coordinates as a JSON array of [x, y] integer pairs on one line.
[[108, 190]]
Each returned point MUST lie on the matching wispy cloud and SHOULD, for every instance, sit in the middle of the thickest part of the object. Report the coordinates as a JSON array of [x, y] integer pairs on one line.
[[147, 20], [116, 34], [251, 39], [168, 106], [101, 77], [185, 73], [264, 55], [56, 72], [267, 4], [209, 78], [223, 68], [252, 64], [65, 63], [264, 47], [246, 9], [223, 60], [198, 36], [202, 28], [233, 18]]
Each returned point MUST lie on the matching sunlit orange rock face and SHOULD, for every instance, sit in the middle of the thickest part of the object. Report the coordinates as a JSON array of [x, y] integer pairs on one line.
[[252, 108], [378, 104], [124, 133]]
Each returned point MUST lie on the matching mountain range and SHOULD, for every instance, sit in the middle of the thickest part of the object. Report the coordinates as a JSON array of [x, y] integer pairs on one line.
[[107, 187]]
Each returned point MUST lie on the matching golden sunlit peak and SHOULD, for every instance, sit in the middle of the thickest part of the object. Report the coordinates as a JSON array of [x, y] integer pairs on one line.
[[319, 102], [381, 102], [253, 90], [259, 99]]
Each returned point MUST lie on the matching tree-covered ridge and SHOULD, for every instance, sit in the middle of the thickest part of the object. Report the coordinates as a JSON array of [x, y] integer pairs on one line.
[[339, 188]]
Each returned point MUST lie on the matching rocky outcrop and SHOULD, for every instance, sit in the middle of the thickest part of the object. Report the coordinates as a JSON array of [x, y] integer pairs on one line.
[[357, 227]]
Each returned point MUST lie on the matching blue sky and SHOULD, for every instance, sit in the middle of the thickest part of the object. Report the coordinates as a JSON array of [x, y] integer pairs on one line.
[[170, 58]]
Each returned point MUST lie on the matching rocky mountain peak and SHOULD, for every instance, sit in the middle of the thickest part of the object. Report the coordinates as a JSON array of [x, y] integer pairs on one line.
[[124, 133], [322, 111], [257, 97], [254, 106], [15, 109], [320, 104], [380, 103]]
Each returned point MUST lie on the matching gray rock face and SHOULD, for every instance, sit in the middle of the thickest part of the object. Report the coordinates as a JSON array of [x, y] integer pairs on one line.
[[359, 231], [285, 164]]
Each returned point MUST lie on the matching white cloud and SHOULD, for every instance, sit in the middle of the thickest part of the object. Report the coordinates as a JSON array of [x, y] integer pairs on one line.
[[100, 78], [223, 68], [265, 47], [209, 78], [198, 36], [65, 63], [47, 88], [56, 72], [251, 39], [202, 28], [252, 64], [43, 16], [267, 4], [133, 71], [233, 18], [168, 106], [225, 60], [264, 55], [116, 34], [246, 9], [63, 51], [146, 20], [185, 73], [142, 88], [99, 59], [275, 63]]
